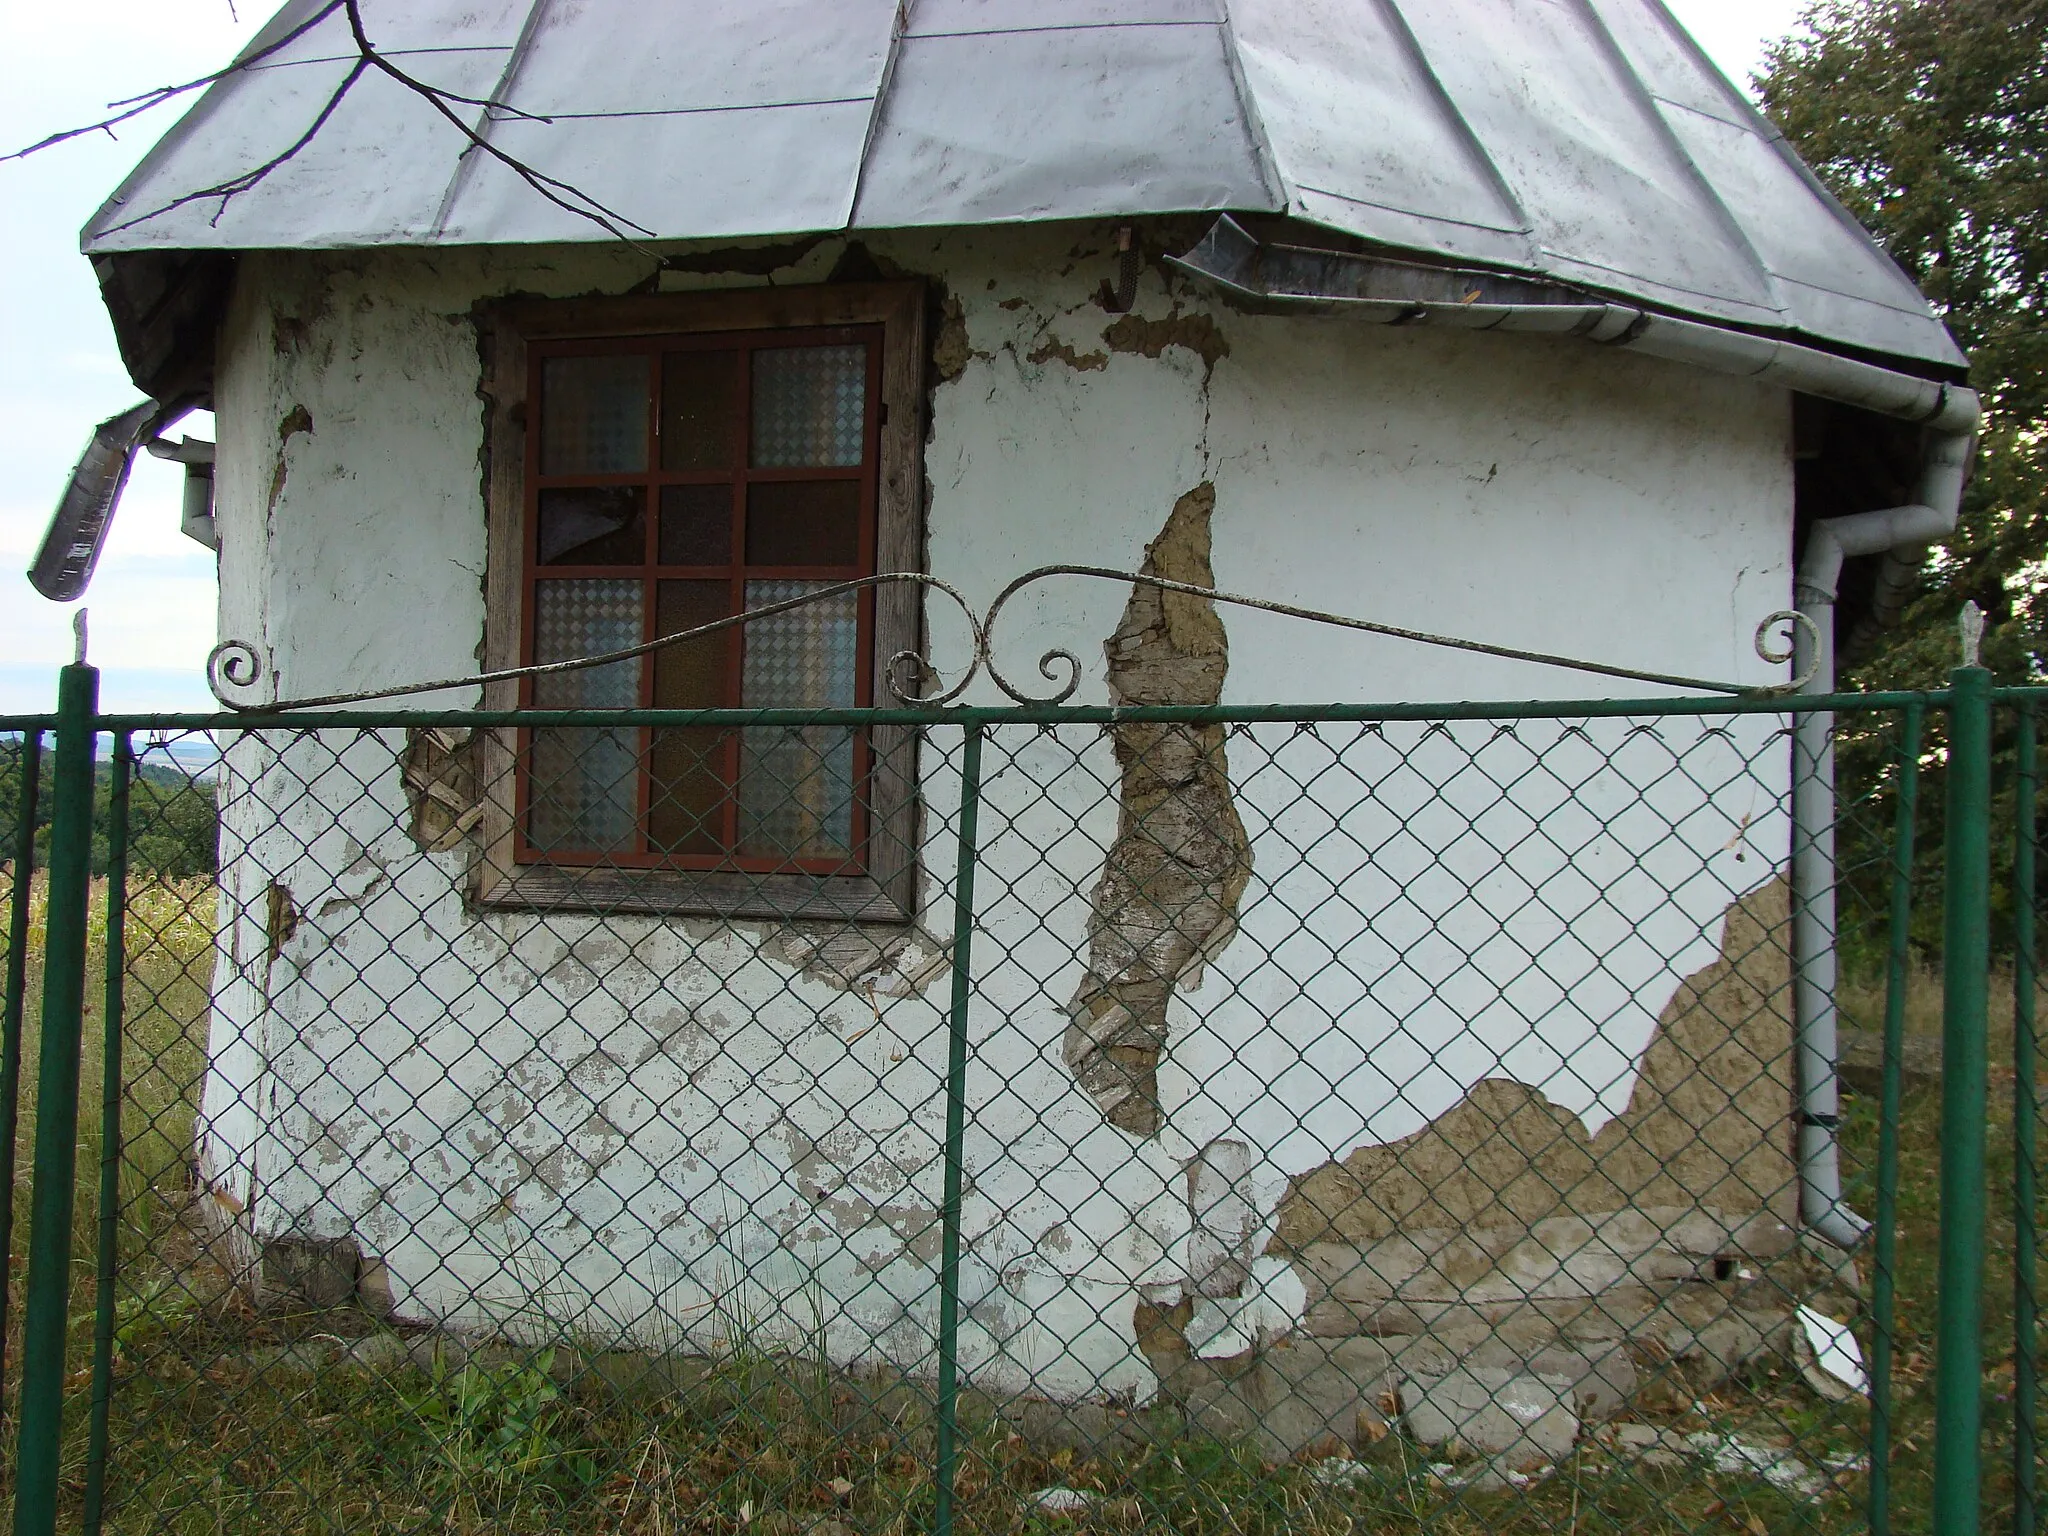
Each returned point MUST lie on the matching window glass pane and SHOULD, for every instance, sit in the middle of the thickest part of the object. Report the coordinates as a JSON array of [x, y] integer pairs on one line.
[[585, 785], [798, 522], [796, 784], [593, 525], [698, 392], [594, 414], [687, 814], [696, 524], [810, 406]]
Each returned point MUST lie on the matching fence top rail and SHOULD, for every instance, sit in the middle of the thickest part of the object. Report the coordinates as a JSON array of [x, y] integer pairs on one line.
[[1042, 714], [21, 725]]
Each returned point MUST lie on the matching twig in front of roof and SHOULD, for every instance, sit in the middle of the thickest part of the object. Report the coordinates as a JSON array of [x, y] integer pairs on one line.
[[562, 194], [549, 187], [235, 186], [137, 105]]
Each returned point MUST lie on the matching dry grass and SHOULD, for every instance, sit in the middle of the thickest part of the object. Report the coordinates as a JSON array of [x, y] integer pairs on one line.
[[218, 1425]]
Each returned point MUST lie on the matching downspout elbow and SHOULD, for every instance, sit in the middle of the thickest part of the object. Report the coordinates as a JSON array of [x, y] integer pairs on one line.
[[1891, 531]]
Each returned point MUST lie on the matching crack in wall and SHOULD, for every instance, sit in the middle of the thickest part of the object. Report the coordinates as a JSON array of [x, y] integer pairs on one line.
[[1173, 878]]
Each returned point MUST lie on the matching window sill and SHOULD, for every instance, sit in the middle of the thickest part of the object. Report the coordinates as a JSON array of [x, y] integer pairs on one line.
[[690, 893]]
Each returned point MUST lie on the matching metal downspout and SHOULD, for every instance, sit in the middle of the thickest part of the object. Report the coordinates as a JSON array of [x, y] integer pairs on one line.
[[1902, 534]]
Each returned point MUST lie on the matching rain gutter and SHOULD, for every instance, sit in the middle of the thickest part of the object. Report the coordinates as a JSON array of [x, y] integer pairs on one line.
[[1294, 278]]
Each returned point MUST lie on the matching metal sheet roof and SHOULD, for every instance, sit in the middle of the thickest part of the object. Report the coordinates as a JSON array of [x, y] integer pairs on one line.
[[1584, 141]]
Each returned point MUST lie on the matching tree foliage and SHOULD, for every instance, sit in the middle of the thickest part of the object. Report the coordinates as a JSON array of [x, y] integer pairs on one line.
[[173, 824], [1929, 120]]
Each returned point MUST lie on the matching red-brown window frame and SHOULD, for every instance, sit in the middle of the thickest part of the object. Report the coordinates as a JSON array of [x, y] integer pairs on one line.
[[736, 573], [515, 337]]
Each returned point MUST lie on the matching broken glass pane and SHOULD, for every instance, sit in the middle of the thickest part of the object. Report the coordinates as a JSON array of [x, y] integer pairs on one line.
[[592, 525]]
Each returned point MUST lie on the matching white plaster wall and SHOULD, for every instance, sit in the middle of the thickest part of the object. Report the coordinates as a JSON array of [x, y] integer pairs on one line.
[[660, 1129]]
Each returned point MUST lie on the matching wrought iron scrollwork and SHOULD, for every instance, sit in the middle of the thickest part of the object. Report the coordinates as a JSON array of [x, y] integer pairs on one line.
[[236, 664]]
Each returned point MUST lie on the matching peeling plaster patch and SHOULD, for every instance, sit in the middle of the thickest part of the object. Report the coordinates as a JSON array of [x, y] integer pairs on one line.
[[1718, 1069], [280, 919], [295, 421], [1171, 884], [1080, 362], [891, 962], [441, 787], [951, 351], [361, 877], [754, 261], [1149, 338]]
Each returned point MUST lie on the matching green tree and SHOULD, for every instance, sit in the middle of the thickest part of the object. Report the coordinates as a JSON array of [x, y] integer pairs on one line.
[[173, 823], [1929, 120]]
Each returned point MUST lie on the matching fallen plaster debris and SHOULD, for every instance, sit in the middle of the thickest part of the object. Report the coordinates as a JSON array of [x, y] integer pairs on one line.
[[1520, 1418], [1340, 1472], [1780, 1468], [1273, 1302], [1063, 1501], [1486, 1475], [1835, 1368]]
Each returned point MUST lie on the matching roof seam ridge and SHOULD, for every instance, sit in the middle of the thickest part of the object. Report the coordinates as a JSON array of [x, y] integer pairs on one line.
[[1638, 88], [1272, 178], [746, 106], [458, 182], [899, 26], [1397, 25]]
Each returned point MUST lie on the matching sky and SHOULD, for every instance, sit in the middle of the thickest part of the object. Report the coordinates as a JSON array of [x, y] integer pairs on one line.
[[152, 598]]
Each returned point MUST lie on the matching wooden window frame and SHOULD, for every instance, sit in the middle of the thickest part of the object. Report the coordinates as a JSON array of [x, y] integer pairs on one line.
[[887, 890]]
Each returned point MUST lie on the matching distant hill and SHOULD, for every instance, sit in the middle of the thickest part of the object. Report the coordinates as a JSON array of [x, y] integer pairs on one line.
[[173, 823]]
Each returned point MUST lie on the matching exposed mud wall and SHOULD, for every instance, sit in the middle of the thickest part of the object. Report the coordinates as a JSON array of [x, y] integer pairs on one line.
[[1173, 878], [1707, 1130]]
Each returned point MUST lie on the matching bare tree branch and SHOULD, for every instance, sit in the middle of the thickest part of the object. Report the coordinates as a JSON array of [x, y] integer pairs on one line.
[[562, 194], [137, 105], [234, 186], [555, 191]]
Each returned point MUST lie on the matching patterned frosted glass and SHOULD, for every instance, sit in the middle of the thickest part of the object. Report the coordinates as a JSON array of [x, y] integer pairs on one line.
[[810, 406], [796, 783], [586, 781], [594, 414]]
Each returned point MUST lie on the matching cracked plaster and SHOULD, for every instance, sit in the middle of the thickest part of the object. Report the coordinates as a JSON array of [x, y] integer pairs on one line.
[[1513, 488]]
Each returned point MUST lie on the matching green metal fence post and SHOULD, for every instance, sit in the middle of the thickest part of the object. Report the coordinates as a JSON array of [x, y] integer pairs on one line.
[[956, 1134], [2025, 1303], [111, 1019], [39, 1442], [1884, 1275], [11, 1018], [1966, 967]]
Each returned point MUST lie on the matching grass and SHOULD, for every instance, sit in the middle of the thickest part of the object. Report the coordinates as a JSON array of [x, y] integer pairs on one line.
[[226, 1419]]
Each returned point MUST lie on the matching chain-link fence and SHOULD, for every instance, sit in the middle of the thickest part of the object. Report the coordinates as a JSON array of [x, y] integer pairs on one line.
[[1229, 1119]]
